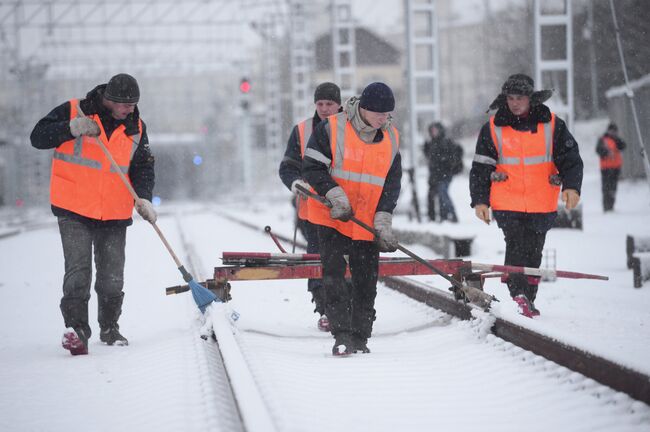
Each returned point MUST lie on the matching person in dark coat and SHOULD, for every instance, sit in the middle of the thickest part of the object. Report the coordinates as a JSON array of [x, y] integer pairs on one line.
[[524, 156], [361, 178], [445, 159], [609, 149], [92, 205], [327, 98]]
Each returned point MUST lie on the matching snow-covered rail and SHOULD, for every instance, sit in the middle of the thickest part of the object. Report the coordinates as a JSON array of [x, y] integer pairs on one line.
[[237, 380]]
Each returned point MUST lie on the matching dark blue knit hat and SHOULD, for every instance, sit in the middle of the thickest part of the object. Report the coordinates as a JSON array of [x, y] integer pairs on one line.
[[377, 97], [122, 88]]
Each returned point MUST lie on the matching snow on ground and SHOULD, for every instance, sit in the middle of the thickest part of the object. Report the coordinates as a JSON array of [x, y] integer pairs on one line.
[[426, 370]]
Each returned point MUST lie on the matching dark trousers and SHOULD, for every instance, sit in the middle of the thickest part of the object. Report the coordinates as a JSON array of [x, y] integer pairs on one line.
[[314, 286], [439, 194], [524, 246], [350, 308], [609, 182], [109, 243]]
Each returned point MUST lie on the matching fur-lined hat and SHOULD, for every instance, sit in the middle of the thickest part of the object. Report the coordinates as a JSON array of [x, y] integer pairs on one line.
[[520, 84]]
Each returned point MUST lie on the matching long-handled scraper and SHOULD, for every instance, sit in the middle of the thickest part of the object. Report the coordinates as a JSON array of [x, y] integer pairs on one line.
[[202, 296]]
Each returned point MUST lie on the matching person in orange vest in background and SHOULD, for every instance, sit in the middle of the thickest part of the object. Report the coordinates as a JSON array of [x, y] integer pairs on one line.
[[327, 98], [609, 149], [525, 156], [353, 159], [91, 203]]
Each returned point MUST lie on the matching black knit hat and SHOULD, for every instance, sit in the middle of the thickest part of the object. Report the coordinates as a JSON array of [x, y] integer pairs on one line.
[[328, 91], [612, 127], [122, 88], [520, 84], [377, 97]]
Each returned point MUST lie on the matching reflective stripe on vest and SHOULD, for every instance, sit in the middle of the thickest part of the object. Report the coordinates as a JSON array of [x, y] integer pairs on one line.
[[614, 160], [83, 179], [360, 169], [305, 129], [527, 159]]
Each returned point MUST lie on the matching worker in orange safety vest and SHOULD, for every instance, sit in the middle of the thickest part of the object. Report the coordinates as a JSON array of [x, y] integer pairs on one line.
[[609, 149], [92, 204], [525, 159], [353, 159]]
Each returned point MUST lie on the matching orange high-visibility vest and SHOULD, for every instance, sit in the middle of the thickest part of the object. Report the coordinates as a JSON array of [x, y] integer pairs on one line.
[[527, 159], [361, 170], [305, 128], [614, 159], [83, 180]]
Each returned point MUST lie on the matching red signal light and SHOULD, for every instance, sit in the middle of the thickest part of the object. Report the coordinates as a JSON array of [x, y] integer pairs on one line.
[[244, 86]]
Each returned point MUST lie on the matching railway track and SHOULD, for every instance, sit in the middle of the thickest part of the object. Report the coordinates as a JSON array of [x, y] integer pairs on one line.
[[615, 376]]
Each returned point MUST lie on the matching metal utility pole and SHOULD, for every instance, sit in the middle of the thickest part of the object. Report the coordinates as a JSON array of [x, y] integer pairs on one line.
[[630, 94], [301, 46], [589, 35], [272, 86], [423, 76], [344, 47], [555, 63], [244, 132]]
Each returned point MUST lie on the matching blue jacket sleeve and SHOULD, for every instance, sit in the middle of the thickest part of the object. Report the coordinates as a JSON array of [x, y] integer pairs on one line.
[[52, 130], [141, 170], [484, 164], [291, 165], [566, 157], [392, 186]]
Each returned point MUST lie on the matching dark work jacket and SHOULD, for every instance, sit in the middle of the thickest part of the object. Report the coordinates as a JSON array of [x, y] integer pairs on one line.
[[54, 129], [291, 165], [318, 176], [443, 155], [566, 158]]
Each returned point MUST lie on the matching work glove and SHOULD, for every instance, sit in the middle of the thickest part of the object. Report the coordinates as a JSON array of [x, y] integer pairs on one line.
[[295, 190], [145, 209], [497, 176], [555, 180], [84, 126], [570, 198], [482, 212], [341, 208], [385, 239]]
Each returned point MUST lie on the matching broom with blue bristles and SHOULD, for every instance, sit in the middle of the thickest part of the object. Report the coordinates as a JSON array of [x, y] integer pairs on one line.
[[202, 296]]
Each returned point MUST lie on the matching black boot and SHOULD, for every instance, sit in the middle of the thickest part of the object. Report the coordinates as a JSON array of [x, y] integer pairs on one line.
[[111, 336], [109, 311], [360, 344], [343, 345]]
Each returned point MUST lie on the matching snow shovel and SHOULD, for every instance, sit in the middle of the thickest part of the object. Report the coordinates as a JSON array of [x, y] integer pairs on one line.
[[474, 295], [202, 296]]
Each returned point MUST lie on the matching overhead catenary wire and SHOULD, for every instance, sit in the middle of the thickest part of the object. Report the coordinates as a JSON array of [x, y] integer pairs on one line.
[[630, 94]]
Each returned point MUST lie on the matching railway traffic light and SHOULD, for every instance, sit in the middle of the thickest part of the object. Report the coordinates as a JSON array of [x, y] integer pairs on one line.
[[245, 86]]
